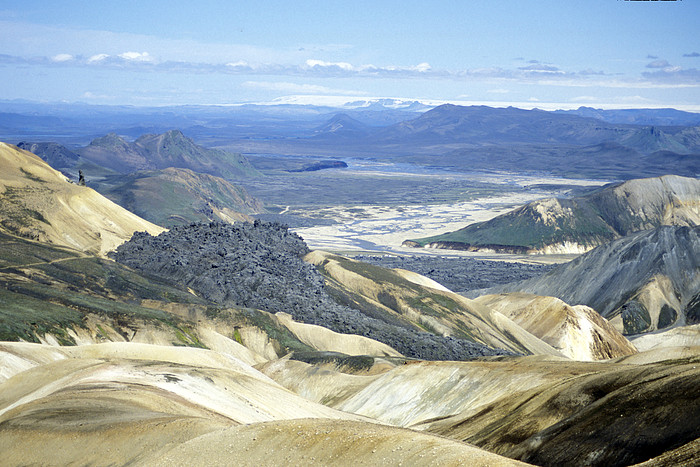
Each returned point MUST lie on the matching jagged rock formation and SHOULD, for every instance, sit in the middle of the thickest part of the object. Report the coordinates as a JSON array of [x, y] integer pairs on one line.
[[259, 266], [580, 224], [175, 196], [170, 149], [646, 281], [38, 202]]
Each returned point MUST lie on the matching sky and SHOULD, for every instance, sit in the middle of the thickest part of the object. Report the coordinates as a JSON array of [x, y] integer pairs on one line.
[[545, 54]]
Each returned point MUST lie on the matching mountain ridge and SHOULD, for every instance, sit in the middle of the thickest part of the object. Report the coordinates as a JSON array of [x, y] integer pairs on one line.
[[169, 149], [576, 225]]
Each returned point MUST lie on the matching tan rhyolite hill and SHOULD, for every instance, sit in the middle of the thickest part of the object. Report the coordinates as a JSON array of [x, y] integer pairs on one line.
[[578, 332], [38, 202]]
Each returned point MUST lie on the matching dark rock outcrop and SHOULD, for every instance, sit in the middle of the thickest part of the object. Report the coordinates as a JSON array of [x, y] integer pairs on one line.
[[259, 266]]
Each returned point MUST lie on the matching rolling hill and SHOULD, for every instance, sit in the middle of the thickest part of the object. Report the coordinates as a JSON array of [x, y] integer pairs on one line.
[[124, 366]]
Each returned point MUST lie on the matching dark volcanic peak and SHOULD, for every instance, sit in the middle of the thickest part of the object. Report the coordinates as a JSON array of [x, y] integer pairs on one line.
[[175, 196], [170, 149], [342, 125], [486, 125], [260, 265]]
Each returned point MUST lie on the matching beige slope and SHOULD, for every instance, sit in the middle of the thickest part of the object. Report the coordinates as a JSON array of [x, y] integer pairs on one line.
[[686, 336], [115, 403], [324, 339], [403, 296], [577, 331], [38, 202], [616, 414], [419, 391], [323, 385], [325, 442]]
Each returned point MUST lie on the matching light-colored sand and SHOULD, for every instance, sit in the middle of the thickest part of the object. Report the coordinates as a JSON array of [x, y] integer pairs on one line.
[[384, 228], [325, 442]]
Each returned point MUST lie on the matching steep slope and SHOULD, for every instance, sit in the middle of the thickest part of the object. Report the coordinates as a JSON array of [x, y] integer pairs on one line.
[[38, 202], [180, 196], [646, 281], [170, 149], [578, 332], [579, 224], [417, 301]]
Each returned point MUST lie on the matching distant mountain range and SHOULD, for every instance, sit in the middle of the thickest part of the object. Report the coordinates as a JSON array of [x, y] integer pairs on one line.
[[579, 224], [658, 117]]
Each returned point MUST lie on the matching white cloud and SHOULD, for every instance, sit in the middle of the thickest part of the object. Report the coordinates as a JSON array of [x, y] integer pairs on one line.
[[62, 58], [97, 58], [321, 63], [658, 64], [498, 91], [136, 56]]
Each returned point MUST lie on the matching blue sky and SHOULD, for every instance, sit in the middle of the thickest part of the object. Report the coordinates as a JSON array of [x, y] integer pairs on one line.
[[547, 54]]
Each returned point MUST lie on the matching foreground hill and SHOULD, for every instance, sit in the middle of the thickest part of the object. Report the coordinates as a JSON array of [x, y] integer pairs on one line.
[[38, 202], [170, 149], [646, 281], [180, 196], [579, 224], [536, 409], [118, 404]]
